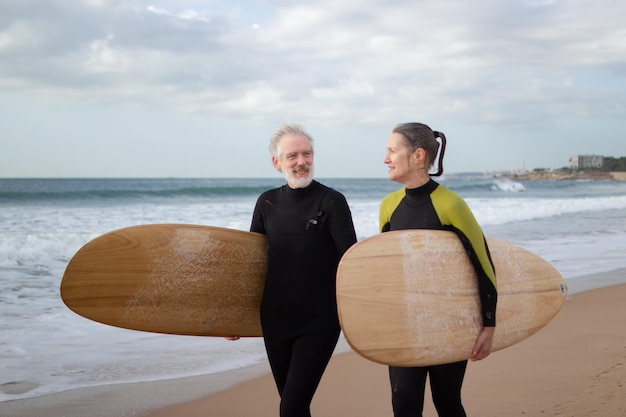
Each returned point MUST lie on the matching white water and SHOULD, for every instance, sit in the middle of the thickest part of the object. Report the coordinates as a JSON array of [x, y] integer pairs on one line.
[[46, 348]]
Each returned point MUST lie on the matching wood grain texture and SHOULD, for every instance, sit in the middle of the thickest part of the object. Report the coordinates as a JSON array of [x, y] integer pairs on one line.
[[170, 278], [410, 298]]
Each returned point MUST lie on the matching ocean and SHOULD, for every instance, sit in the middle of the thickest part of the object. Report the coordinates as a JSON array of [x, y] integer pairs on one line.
[[578, 226]]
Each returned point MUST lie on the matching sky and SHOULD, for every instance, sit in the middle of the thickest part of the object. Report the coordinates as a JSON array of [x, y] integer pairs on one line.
[[182, 88]]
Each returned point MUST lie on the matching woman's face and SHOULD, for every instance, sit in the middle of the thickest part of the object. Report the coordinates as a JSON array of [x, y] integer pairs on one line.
[[405, 167], [398, 159]]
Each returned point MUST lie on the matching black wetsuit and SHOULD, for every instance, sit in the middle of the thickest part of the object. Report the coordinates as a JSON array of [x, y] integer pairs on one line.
[[307, 230], [434, 206]]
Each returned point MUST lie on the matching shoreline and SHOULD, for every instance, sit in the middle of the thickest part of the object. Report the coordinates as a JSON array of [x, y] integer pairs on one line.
[[563, 175], [360, 385]]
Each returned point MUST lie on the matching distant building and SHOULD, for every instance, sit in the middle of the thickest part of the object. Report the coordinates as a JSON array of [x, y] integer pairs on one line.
[[586, 161]]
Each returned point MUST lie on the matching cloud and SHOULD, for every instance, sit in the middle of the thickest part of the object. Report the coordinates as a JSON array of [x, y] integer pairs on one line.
[[519, 65], [314, 55]]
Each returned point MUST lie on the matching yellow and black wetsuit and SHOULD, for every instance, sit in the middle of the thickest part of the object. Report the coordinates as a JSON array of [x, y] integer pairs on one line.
[[434, 206]]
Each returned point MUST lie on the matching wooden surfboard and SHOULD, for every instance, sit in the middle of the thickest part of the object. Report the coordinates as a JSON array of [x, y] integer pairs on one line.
[[170, 278], [410, 298]]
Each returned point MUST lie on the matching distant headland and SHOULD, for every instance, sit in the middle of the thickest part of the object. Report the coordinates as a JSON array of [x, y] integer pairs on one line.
[[566, 174], [587, 167]]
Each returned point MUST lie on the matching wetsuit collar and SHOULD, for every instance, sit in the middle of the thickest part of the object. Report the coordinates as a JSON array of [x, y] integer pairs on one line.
[[295, 192], [427, 188]]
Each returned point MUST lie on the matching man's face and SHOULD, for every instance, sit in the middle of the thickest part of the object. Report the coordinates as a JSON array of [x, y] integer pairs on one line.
[[295, 160]]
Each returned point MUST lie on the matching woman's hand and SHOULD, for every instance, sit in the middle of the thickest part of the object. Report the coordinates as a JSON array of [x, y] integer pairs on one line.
[[484, 342], [232, 338]]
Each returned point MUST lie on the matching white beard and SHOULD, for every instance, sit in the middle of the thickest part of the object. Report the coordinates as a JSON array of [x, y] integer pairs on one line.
[[298, 182]]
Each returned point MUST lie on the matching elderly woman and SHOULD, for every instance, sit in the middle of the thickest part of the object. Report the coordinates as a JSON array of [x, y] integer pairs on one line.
[[424, 204]]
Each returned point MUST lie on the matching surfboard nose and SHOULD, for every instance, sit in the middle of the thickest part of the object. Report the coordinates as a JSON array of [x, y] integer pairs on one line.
[[170, 278]]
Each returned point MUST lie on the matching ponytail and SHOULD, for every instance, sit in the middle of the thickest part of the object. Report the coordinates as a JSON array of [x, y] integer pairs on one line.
[[442, 150]]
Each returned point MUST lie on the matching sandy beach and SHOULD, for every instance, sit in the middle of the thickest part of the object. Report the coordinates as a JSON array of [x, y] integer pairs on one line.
[[575, 366]]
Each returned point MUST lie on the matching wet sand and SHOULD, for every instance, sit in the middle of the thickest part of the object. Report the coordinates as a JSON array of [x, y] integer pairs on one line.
[[575, 366]]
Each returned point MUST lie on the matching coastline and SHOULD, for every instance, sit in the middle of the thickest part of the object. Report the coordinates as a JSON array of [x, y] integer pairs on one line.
[[575, 366], [569, 175]]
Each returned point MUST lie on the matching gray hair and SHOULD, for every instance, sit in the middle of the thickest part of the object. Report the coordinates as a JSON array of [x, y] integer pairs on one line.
[[419, 135], [287, 129]]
